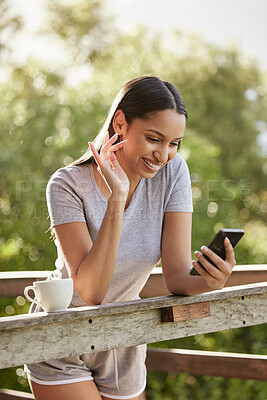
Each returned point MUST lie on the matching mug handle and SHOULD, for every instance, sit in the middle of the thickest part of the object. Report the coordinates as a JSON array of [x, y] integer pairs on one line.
[[26, 290]]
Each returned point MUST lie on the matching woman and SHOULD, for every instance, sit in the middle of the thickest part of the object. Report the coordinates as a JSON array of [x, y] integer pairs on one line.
[[115, 212]]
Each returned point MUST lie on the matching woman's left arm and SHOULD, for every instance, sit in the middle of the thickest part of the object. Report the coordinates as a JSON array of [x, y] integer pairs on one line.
[[176, 259]]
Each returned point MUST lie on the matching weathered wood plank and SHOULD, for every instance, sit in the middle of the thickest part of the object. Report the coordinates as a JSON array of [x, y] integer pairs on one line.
[[12, 283], [7, 394], [227, 365], [241, 275], [18, 321], [100, 328]]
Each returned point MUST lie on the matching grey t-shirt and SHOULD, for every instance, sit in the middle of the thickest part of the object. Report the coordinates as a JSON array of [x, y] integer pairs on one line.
[[73, 196]]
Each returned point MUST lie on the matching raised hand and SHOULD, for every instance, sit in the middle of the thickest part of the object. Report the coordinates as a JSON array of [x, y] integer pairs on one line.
[[109, 167], [216, 277]]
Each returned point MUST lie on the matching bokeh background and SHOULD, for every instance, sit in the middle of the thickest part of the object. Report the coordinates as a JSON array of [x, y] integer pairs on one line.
[[62, 63]]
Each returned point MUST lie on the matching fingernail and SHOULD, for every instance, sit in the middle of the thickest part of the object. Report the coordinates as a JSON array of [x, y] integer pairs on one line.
[[197, 253], [203, 248]]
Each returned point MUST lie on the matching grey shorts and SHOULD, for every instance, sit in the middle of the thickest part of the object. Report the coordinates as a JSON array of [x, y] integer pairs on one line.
[[118, 374]]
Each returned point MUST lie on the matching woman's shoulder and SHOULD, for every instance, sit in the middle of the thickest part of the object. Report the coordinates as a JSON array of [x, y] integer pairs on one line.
[[71, 173], [177, 162], [73, 177], [176, 167], [174, 174]]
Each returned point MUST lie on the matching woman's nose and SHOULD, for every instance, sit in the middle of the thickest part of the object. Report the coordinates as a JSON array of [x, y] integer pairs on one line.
[[162, 154]]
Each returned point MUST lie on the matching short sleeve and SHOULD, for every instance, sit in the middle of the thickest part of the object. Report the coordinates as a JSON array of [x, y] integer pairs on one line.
[[63, 201], [180, 197]]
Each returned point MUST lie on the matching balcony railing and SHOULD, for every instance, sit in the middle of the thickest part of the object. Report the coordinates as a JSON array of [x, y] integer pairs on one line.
[[148, 320]]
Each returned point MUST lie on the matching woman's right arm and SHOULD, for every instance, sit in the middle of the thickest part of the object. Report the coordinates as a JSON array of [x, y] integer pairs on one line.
[[91, 265]]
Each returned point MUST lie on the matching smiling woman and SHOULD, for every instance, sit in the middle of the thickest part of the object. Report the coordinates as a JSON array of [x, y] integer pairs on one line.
[[151, 142], [115, 212]]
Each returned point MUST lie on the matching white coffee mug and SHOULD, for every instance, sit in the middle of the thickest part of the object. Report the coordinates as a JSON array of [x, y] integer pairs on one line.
[[51, 295]]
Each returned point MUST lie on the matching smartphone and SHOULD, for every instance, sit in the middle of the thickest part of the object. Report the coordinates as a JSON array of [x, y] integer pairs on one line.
[[216, 245]]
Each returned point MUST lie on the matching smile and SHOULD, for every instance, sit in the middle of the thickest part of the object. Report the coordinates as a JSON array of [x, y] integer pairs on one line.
[[154, 166]]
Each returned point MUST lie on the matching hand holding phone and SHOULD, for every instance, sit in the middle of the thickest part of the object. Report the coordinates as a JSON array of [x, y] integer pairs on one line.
[[217, 245]]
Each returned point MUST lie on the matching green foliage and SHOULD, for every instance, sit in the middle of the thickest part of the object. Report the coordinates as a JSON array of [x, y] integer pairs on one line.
[[169, 386], [10, 23], [250, 340], [44, 129], [83, 26], [45, 125], [14, 378]]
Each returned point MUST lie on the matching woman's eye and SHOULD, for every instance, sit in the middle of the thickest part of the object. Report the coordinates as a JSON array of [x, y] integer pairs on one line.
[[153, 139], [177, 145]]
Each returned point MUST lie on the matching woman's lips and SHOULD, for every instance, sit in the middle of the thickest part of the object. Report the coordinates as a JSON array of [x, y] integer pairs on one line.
[[151, 165]]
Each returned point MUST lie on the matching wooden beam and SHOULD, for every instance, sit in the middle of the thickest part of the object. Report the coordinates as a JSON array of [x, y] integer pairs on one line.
[[12, 283], [194, 362], [99, 328], [227, 365], [7, 394], [241, 275]]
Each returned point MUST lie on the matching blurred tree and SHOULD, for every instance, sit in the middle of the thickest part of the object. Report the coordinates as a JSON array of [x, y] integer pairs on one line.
[[10, 22], [42, 131], [42, 126], [85, 28]]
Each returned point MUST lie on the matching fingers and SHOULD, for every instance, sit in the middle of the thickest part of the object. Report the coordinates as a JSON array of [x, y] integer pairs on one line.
[[217, 275], [108, 142], [109, 147], [107, 158], [117, 146], [106, 137], [95, 153], [229, 251], [208, 268], [218, 261], [211, 279]]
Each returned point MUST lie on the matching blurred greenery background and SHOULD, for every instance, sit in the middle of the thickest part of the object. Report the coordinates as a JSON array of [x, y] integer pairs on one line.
[[46, 123]]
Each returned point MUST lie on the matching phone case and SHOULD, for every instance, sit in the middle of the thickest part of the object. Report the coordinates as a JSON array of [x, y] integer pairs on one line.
[[216, 245]]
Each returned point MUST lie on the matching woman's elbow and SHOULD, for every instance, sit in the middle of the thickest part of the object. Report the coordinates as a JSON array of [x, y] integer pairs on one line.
[[90, 297], [178, 285], [179, 290]]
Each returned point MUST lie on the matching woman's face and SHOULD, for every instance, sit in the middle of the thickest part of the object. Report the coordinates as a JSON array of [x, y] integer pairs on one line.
[[151, 144]]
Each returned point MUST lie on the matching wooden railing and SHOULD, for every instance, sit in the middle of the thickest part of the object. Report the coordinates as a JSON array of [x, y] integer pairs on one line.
[[12, 283], [99, 328]]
